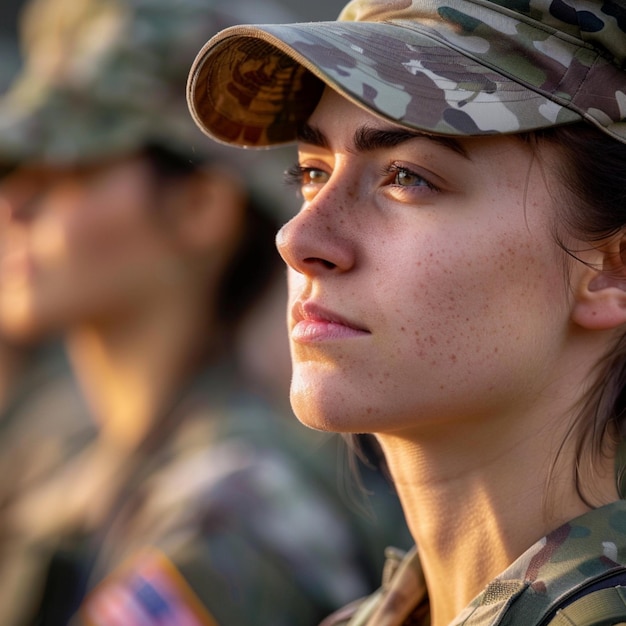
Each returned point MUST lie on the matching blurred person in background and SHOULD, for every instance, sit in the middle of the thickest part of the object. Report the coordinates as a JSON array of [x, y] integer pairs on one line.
[[43, 418], [195, 502]]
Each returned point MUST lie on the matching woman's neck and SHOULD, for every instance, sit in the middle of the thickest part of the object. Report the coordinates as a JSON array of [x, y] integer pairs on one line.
[[131, 370], [456, 492]]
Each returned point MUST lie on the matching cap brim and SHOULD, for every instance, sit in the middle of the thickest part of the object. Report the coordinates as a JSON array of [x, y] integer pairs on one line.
[[252, 86]]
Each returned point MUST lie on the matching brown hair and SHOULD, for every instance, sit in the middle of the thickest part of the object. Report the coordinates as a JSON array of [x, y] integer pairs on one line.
[[593, 174], [256, 262]]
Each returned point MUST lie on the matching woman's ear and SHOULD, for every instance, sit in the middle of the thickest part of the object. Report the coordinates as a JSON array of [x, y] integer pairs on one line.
[[600, 293], [208, 211]]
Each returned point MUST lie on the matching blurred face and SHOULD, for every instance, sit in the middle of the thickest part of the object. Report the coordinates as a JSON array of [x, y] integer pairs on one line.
[[425, 284], [79, 245]]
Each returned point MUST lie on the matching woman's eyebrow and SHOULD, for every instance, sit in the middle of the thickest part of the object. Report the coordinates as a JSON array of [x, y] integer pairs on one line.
[[311, 135], [367, 139]]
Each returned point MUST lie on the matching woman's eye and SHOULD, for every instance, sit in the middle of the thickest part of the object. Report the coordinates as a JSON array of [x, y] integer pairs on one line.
[[404, 177], [300, 176]]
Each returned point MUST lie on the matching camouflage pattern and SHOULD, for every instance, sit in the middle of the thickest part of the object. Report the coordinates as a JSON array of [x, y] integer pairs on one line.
[[243, 502], [103, 78], [526, 593], [43, 424], [456, 67]]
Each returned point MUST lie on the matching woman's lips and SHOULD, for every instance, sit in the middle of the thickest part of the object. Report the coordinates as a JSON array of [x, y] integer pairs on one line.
[[312, 323]]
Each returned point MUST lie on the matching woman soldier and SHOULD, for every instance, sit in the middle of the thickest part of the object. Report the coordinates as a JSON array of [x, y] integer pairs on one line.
[[457, 281]]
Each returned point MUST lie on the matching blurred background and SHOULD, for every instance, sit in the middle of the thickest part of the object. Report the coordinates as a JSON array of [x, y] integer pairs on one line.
[[144, 364], [9, 11]]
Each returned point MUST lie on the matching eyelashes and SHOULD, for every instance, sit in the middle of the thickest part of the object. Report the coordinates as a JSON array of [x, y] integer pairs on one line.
[[294, 175], [298, 176], [407, 178]]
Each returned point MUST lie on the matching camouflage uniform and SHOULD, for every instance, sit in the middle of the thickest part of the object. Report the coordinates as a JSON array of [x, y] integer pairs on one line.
[[551, 573], [226, 509], [44, 409], [44, 424]]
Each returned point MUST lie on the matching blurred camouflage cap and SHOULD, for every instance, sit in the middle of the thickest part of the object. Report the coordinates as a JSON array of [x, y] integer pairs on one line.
[[456, 67], [102, 78]]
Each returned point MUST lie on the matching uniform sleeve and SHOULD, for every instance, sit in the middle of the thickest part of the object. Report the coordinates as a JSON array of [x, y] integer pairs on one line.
[[242, 537]]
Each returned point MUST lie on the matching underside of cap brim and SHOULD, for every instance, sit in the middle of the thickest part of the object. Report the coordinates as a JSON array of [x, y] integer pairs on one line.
[[247, 88], [252, 86]]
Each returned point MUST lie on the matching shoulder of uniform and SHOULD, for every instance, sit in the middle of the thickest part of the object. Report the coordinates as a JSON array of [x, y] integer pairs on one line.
[[598, 608]]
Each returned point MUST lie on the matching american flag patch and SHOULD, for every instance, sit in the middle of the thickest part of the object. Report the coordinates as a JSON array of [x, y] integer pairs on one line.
[[147, 591]]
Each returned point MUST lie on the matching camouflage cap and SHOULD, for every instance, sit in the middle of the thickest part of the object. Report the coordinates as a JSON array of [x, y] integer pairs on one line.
[[457, 67], [102, 78]]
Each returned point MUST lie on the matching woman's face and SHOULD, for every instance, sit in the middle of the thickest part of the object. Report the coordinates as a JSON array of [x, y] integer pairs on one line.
[[78, 245], [425, 282]]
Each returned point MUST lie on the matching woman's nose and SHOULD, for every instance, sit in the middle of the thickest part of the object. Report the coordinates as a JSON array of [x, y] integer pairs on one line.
[[19, 202], [25, 190], [12, 211], [317, 239]]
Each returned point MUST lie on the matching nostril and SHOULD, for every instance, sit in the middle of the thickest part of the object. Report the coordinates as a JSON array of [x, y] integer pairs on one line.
[[316, 260]]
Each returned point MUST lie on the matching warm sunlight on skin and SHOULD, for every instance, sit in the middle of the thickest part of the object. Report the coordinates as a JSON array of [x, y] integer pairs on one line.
[[429, 304], [425, 283], [124, 268], [78, 245]]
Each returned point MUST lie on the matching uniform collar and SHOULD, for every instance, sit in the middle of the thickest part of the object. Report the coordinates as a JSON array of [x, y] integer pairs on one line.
[[555, 567]]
